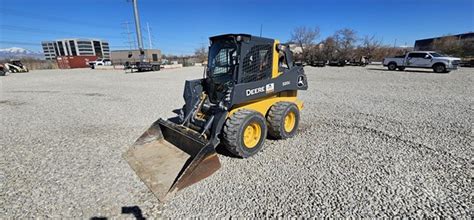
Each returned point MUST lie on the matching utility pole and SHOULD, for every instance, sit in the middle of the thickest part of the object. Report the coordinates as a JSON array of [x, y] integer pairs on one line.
[[149, 36], [138, 30]]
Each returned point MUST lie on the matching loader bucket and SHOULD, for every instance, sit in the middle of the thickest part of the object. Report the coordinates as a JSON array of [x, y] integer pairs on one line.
[[168, 158]]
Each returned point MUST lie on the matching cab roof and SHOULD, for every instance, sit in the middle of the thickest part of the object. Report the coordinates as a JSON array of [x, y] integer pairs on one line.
[[244, 36]]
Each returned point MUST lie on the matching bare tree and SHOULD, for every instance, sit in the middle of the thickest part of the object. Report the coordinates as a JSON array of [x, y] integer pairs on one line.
[[304, 37], [386, 51], [329, 48], [345, 41], [201, 54], [369, 45]]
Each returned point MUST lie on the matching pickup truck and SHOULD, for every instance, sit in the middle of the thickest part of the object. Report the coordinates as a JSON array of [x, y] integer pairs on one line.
[[100, 62], [440, 63]]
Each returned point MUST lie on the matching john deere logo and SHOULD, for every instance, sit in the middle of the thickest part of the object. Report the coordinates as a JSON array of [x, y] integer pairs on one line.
[[270, 88], [255, 91], [301, 81]]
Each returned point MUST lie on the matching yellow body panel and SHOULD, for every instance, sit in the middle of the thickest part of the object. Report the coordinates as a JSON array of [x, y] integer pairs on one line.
[[275, 72], [263, 105]]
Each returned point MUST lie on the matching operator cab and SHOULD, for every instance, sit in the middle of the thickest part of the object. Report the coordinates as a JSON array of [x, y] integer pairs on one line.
[[235, 59], [16, 62]]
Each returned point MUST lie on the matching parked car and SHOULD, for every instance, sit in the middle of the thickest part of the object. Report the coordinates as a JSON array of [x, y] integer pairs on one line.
[[318, 63], [337, 62], [363, 61], [3, 70], [440, 63], [100, 62]]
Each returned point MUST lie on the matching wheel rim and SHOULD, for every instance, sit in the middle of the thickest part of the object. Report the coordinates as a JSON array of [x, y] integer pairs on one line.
[[252, 135], [290, 121], [439, 68]]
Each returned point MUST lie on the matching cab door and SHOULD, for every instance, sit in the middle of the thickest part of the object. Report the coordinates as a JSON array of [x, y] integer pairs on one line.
[[418, 59]]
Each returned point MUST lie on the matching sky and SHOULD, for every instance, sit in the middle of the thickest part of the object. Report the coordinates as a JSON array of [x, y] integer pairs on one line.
[[180, 26]]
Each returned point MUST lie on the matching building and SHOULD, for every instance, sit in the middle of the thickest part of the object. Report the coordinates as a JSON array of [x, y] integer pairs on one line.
[[122, 56], [75, 47], [466, 40]]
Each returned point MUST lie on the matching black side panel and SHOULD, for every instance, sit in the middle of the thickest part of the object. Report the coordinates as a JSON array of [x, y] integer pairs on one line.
[[293, 79], [192, 91]]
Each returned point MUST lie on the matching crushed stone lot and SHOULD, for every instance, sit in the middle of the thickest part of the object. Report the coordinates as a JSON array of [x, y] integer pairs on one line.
[[371, 143]]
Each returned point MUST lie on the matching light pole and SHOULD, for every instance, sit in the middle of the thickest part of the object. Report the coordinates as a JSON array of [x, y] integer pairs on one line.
[[138, 30]]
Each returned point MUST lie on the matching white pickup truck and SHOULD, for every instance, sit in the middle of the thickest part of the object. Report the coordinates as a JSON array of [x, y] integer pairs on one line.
[[440, 63], [100, 62]]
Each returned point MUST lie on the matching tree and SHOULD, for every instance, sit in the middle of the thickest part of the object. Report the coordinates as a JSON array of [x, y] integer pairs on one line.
[[369, 45], [345, 40], [201, 54], [329, 48], [304, 37], [386, 51]]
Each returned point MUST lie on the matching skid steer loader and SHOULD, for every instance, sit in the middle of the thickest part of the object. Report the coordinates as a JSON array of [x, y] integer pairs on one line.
[[249, 90], [15, 66]]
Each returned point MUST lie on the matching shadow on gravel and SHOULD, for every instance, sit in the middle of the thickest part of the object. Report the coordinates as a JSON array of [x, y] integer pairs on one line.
[[134, 210], [127, 210], [221, 150], [410, 71]]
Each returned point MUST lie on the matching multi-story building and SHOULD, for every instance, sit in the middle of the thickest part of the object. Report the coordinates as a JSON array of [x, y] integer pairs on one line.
[[76, 47]]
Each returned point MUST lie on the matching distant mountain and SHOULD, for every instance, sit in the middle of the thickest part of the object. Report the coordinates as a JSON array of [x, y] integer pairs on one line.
[[17, 52]]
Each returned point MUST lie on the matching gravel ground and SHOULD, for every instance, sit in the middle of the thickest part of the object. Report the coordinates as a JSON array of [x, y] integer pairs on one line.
[[371, 143]]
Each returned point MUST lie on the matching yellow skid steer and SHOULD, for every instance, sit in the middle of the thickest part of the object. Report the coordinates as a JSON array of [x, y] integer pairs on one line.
[[249, 91]]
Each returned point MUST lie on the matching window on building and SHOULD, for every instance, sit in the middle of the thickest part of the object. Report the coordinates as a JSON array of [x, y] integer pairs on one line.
[[98, 49], [56, 50], [61, 48], [73, 48]]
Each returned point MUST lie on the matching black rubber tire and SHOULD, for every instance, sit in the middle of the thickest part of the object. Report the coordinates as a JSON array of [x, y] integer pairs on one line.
[[392, 66], [233, 132], [276, 119], [439, 68], [401, 68], [3, 73]]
